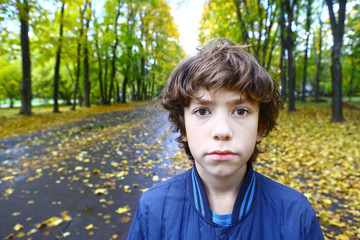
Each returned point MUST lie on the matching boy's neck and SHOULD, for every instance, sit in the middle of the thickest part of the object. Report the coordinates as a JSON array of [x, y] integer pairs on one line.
[[222, 192]]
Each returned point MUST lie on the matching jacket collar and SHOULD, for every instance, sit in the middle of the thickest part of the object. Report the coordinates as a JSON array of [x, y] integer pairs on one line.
[[243, 202]]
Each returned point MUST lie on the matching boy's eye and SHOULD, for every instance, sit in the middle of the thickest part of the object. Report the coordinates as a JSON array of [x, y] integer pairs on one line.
[[241, 111], [201, 112]]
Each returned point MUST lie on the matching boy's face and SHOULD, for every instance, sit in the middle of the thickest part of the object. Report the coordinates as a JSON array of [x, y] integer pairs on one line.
[[222, 131]]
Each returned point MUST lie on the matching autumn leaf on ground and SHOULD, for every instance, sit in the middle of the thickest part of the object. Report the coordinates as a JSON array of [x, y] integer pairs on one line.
[[9, 191], [125, 219], [127, 189], [65, 216], [18, 227], [123, 209], [10, 236], [89, 227], [101, 191]]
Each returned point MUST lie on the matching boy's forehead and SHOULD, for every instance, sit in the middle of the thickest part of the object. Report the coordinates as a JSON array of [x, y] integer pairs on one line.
[[206, 95]]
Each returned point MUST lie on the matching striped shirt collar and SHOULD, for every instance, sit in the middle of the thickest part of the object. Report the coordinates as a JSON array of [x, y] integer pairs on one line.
[[243, 202]]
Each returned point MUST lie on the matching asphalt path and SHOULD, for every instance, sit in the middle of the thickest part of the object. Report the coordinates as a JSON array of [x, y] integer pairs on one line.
[[83, 180]]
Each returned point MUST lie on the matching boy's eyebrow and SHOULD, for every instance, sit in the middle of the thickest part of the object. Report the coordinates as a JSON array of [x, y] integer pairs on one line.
[[202, 101], [242, 100]]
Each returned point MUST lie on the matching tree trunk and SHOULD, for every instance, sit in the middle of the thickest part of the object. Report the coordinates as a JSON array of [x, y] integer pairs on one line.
[[283, 48], [103, 101], [152, 86], [124, 89], [337, 28], [113, 69], [268, 35], [290, 47], [106, 76], [78, 61], [25, 54], [118, 100], [86, 59], [130, 24], [57, 65], [77, 77], [318, 63], [86, 78], [308, 23], [244, 31], [87, 83], [273, 45]]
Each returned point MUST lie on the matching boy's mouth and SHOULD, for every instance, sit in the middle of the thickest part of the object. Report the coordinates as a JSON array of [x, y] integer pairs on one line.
[[222, 155]]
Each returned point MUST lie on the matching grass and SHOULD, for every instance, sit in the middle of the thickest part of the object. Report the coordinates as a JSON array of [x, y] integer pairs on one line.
[[46, 108]]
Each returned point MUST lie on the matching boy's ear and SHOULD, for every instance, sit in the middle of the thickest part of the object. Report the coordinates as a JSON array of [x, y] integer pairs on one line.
[[259, 137], [260, 133], [184, 138]]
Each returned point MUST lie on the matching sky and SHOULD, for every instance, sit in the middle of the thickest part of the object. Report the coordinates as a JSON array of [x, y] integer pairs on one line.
[[187, 16]]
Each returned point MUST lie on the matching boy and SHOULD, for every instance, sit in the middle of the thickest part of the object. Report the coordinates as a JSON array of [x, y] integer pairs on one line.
[[222, 102]]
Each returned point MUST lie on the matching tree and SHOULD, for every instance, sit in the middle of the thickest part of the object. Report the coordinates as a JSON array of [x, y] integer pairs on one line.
[[99, 56], [132, 49], [282, 53], [289, 8], [337, 28], [247, 22], [78, 58], [308, 23], [318, 62], [86, 56], [23, 8], [113, 61], [58, 59], [128, 29]]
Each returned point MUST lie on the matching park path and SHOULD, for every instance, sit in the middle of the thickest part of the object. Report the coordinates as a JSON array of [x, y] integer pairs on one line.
[[83, 180]]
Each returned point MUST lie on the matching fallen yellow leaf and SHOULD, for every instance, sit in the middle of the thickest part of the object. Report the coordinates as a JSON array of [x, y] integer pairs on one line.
[[125, 219], [89, 227], [18, 227], [101, 191], [123, 209]]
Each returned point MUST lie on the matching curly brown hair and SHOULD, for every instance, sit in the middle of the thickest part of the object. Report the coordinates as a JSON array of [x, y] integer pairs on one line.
[[220, 63]]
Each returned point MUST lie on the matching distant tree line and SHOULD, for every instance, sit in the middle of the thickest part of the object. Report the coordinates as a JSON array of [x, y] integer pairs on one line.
[[85, 53]]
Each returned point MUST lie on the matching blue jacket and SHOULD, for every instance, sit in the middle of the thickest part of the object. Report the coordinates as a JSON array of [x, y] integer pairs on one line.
[[179, 209]]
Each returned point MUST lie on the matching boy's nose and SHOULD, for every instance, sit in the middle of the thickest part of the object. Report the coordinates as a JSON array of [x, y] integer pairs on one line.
[[221, 130]]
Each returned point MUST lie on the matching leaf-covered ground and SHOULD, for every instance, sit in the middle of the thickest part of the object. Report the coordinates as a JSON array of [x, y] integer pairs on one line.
[[321, 160], [83, 179], [82, 176]]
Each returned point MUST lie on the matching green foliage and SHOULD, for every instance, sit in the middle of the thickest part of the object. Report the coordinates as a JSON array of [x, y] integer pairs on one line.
[[146, 49], [10, 79], [219, 19], [43, 77], [351, 57], [251, 19]]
